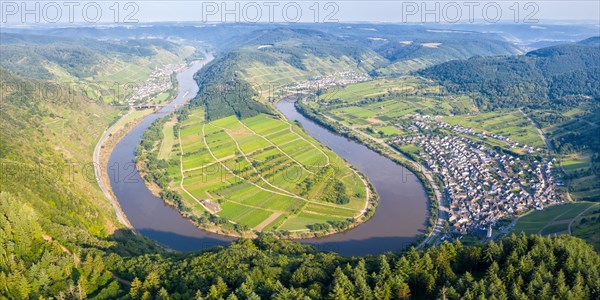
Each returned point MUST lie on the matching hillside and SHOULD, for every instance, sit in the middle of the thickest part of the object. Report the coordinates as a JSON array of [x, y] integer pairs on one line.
[[555, 75], [274, 58], [56, 223], [266, 60], [60, 238], [270, 60], [223, 93], [83, 60], [53, 211], [557, 87], [562, 78]]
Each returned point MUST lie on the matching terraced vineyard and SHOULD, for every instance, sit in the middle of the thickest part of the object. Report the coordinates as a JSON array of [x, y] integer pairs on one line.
[[262, 173]]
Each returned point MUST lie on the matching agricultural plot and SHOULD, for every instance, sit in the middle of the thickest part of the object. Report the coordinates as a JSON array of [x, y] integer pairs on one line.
[[264, 173], [587, 188], [380, 104], [576, 162], [587, 224], [377, 107], [355, 92], [554, 219], [166, 146], [513, 125]]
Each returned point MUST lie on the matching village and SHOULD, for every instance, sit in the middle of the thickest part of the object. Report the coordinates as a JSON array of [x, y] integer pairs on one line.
[[482, 185], [158, 82], [317, 84]]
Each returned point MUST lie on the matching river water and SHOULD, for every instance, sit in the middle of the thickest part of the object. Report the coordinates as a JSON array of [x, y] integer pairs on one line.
[[398, 220]]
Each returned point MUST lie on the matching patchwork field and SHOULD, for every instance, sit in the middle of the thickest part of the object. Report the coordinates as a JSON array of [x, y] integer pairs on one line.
[[355, 92], [262, 173]]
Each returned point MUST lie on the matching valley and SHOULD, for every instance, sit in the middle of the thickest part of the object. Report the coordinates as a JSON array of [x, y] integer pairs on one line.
[[299, 161]]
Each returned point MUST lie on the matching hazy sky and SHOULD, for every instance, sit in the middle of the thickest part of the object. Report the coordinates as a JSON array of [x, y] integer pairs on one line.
[[423, 11]]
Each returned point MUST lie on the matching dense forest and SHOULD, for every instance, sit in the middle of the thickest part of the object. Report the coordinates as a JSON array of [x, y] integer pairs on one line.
[[517, 267], [224, 94], [556, 76]]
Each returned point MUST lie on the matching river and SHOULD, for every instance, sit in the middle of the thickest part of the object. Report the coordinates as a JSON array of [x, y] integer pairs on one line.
[[400, 216]]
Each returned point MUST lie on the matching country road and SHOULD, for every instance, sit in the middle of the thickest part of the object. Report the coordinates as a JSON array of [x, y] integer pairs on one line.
[[98, 171]]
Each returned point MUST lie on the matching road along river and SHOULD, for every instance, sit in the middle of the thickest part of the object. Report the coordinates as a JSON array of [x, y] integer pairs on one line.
[[400, 216]]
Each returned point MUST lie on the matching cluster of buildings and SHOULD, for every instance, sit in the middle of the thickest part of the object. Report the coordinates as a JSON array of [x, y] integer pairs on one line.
[[483, 186], [335, 79], [158, 82], [427, 122]]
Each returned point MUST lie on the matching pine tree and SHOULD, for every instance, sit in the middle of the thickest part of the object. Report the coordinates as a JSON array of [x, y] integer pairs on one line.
[[362, 290], [162, 294], [341, 284], [136, 289]]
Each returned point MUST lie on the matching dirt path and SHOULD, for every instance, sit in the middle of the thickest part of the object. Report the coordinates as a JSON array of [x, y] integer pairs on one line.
[[539, 130], [281, 150], [268, 221], [48, 238], [98, 171], [573, 220], [253, 168], [208, 164]]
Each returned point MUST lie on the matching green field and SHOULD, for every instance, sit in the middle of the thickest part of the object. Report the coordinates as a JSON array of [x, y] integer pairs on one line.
[[511, 124], [166, 146], [554, 219], [356, 92], [587, 187], [576, 162], [586, 226], [265, 173], [376, 107]]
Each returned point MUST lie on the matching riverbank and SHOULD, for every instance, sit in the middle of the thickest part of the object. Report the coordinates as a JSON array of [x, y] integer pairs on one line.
[[109, 139], [398, 221], [147, 160], [436, 203]]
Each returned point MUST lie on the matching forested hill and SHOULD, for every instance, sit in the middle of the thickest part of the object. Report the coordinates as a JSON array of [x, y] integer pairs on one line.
[[593, 41], [297, 44], [557, 75], [223, 93], [68, 58]]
